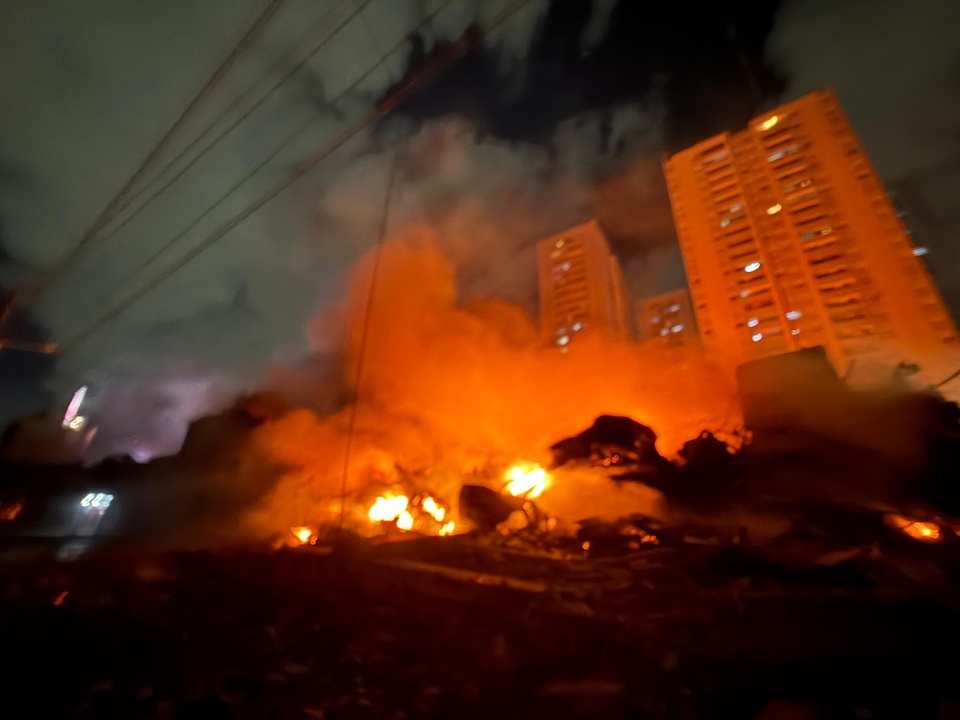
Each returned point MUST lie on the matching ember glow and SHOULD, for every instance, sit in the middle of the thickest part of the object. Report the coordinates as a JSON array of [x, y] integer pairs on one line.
[[303, 534], [526, 482], [917, 529]]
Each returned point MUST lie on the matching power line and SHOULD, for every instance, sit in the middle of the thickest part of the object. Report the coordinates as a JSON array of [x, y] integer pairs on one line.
[[220, 136], [109, 210], [448, 55], [272, 154], [364, 331]]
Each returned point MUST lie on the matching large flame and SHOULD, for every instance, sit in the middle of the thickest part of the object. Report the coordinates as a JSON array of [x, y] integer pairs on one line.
[[459, 389]]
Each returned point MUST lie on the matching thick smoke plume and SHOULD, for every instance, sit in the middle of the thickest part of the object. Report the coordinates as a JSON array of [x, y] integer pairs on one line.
[[452, 387]]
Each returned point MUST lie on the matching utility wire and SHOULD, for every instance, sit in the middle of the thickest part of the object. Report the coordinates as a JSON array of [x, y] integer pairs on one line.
[[221, 135], [365, 331], [450, 54], [277, 149], [111, 208]]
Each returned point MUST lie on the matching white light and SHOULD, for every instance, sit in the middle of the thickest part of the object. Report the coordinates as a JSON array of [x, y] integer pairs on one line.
[[673, 308], [753, 322], [724, 222], [769, 122], [795, 331], [96, 500], [752, 267], [744, 293], [87, 500], [663, 332], [676, 328], [794, 315], [774, 209], [918, 251], [565, 266], [563, 340], [757, 337], [655, 319], [77, 423], [577, 326]]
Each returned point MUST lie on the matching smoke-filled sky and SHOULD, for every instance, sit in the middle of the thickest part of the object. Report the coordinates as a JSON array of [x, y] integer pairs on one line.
[[561, 114]]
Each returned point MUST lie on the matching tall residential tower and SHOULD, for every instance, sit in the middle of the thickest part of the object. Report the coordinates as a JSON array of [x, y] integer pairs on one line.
[[790, 241], [581, 286]]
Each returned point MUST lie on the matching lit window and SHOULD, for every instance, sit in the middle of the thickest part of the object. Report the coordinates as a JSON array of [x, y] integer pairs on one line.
[[664, 331], [563, 340], [559, 244], [655, 319], [677, 328], [734, 208], [757, 337], [774, 209], [783, 153], [673, 308], [769, 122], [808, 235], [795, 331], [565, 266], [577, 326], [753, 322], [827, 230], [744, 293], [918, 251], [724, 222], [794, 315], [752, 267]]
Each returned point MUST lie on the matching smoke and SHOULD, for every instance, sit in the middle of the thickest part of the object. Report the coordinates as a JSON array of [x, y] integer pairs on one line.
[[456, 382], [894, 67]]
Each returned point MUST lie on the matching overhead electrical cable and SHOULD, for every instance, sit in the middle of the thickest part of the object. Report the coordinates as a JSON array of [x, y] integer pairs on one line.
[[444, 57]]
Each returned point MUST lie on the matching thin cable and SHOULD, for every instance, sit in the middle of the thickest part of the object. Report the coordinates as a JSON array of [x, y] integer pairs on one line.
[[450, 54], [273, 154], [108, 211], [229, 129], [948, 379], [365, 332]]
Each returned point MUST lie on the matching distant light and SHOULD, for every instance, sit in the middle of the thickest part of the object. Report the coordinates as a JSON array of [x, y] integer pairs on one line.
[[752, 267], [559, 244], [565, 266], [96, 500], [769, 122], [918, 251], [753, 322], [74, 407], [77, 423], [794, 315], [795, 331], [774, 209], [757, 337], [655, 319], [744, 293], [677, 328], [563, 340], [673, 308], [577, 326], [663, 331], [725, 222]]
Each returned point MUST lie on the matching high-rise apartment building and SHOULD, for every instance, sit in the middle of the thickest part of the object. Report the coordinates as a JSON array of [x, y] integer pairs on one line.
[[667, 317], [790, 241], [581, 286]]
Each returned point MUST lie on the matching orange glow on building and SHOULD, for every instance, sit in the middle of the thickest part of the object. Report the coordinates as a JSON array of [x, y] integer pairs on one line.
[[581, 286], [790, 241], [666, 317]]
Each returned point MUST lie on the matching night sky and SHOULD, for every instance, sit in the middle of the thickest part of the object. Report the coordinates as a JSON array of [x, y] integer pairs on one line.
[[592, 91]]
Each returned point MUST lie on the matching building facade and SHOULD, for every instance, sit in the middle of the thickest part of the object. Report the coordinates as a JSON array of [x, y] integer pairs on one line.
[[790, 241], [667, 317], [581, 286]]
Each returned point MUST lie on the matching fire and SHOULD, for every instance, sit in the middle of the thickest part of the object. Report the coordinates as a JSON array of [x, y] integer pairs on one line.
[[529, 482], [917, 529], [303, 534], [388, 508], [434, 508], [405, 521], [447, 528]]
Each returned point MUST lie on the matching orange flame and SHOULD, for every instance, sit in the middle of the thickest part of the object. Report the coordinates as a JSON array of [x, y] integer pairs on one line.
[[388, 508], [917, 529], [303, 534], [528, 481]]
